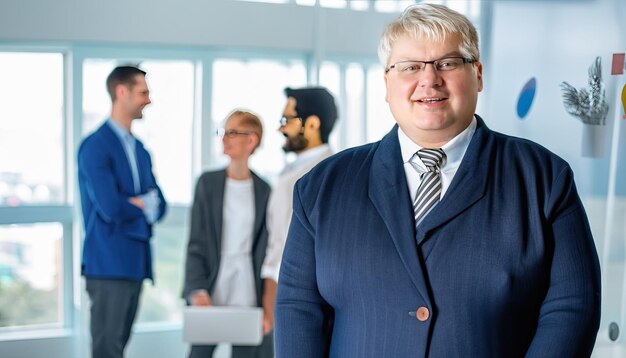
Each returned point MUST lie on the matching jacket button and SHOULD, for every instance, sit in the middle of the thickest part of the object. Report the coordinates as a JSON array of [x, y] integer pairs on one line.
[[422, 314]]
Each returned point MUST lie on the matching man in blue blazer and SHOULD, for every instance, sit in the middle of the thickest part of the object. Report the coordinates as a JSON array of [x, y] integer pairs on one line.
[[121, 201], [444, 239]]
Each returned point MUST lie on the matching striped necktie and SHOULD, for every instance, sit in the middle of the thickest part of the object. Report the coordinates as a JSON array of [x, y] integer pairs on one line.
[[429, 191]]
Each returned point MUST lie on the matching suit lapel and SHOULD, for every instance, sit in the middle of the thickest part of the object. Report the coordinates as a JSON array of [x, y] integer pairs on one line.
[[117, 148], [467, 187], [217, 207], [389, 193]]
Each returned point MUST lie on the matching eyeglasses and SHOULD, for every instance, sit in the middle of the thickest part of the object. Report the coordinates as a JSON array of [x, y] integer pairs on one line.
[[230, 133], [407, 69], [285, 119]]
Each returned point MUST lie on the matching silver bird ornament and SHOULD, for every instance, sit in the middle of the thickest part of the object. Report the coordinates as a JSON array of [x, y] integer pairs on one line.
[[588, 105]]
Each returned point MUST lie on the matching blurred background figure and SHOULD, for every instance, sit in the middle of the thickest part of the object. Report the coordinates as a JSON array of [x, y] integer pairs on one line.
[[121, 201], [308, 118], [228, 236]]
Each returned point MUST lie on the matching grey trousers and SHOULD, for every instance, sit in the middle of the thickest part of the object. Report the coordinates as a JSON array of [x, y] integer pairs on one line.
[[113, 307], [265, 350]]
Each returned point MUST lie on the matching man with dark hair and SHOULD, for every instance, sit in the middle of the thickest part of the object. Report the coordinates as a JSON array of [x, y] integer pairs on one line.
[[315, 101], [308, 118], [122, 75], [121, 201]]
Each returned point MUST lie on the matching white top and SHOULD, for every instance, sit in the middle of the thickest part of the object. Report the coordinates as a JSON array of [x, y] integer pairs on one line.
[[235, 279], [454, 149], [279, 207]]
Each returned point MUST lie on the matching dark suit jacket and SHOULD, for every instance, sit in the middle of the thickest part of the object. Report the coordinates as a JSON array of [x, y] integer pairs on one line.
[[505, 264], [205, 235], [117, 233]]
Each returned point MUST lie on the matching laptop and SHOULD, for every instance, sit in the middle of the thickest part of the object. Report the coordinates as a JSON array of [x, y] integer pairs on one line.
[[241, 326]]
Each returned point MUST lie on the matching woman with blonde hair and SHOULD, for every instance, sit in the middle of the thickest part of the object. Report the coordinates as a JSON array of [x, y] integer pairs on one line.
[[228, 236]]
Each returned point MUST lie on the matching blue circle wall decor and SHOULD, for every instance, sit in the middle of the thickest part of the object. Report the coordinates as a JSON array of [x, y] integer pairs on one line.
[[526, 97]]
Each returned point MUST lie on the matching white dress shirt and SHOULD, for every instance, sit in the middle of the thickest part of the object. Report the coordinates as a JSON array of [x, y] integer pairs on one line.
[[454, 149], [279, 207], [235, 285]]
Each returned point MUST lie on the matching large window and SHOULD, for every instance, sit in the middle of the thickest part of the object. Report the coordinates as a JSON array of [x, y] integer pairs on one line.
[[31, 129], [31, 273], [166, 127], [32, 183]]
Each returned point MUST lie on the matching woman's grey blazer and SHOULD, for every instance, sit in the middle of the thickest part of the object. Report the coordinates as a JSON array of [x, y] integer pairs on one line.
[[205, 233]]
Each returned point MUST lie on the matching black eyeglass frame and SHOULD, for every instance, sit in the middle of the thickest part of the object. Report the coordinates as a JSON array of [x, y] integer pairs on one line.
[[433, 62], [285, 119]]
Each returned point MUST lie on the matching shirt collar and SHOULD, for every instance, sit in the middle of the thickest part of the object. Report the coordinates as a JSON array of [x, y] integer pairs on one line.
[[454, 149], [312, 153], [305, 157], [120, 131]]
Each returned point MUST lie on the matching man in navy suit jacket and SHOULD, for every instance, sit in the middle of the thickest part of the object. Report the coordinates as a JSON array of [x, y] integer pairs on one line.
[[120, 200], [503, 264]]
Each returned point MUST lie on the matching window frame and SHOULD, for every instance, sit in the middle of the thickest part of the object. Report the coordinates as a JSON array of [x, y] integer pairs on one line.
[[61, 213]]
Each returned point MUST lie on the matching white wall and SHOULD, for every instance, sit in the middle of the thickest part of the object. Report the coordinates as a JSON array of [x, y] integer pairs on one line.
[[554, 42]]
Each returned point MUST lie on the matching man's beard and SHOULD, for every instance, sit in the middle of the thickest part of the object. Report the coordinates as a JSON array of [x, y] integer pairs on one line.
[[295, 144]]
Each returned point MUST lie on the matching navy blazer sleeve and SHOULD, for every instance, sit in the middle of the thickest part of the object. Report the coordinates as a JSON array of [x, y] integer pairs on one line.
[[570, 314], [303, 324]]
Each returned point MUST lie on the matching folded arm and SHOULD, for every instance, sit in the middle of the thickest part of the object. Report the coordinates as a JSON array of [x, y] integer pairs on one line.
[[101, 186]]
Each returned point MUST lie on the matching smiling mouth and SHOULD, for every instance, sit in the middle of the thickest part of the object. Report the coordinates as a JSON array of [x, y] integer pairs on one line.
[[431, 100]]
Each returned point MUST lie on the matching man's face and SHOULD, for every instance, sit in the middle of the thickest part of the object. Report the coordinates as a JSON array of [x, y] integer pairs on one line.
[[293, 129], [432, 107], [136, 97]]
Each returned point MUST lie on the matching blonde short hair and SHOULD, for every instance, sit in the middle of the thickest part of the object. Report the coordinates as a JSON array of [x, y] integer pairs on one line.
[[435, 22]]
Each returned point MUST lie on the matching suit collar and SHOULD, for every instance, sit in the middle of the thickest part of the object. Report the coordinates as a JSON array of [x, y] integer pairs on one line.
[[108, 128], [114, 143], [454, 149], [120, 131]]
